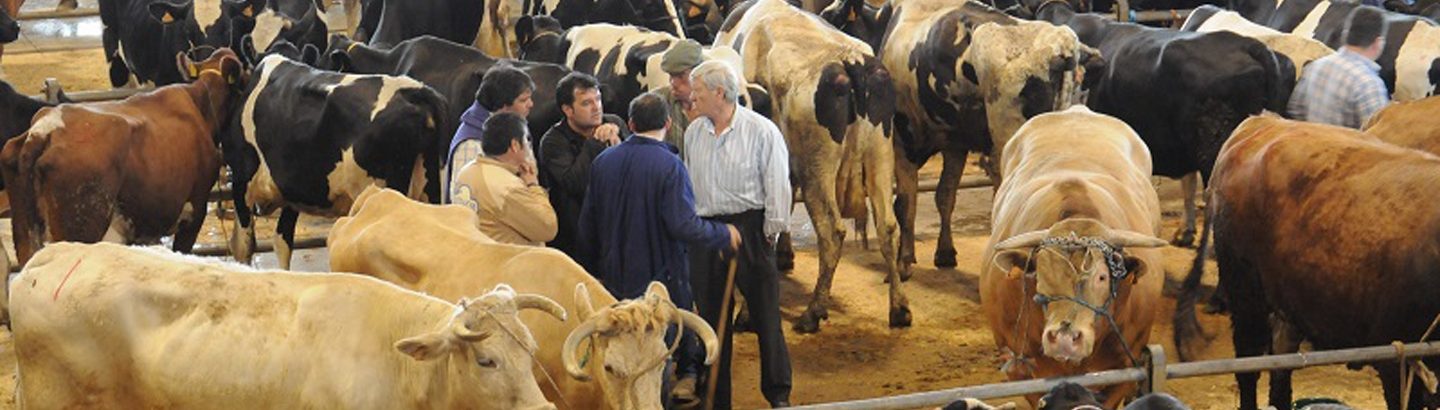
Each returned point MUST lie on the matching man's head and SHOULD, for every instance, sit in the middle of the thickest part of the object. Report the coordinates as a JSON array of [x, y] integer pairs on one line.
[[506, 138], [578, 95], [1365, 30], [716, 88], [506, 89], [649, 115], [678, 61]]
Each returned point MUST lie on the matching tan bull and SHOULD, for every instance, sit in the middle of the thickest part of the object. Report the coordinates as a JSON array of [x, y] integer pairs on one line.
[[1074, 225], [438, 250], [1410, 124], [109, 326]]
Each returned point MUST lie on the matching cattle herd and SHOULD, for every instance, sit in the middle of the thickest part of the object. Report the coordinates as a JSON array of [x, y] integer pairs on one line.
[[1321, 233]]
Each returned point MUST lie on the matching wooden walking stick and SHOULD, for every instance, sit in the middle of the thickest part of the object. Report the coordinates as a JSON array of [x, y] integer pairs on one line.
[[724, 322]]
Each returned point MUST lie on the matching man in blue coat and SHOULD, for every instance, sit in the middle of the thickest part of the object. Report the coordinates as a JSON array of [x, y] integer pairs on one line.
[[639, 217]]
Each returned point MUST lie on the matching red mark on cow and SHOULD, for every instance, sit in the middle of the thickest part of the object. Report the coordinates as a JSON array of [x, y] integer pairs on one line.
[[56, 296]]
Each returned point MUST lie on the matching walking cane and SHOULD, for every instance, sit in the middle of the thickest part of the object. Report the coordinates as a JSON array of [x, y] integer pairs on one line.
[[724, 322]]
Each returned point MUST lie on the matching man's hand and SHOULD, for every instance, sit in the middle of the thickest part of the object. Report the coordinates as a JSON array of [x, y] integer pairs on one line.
[[734, 237], [691, 113], [608, 134], [528, 174]]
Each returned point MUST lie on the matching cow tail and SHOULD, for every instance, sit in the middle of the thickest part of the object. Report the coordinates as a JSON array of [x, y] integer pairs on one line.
[[17, 165], [1186, 324]]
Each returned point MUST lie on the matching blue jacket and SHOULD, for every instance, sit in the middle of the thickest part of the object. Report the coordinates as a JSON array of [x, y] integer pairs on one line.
[[638, 217], [472, 124]]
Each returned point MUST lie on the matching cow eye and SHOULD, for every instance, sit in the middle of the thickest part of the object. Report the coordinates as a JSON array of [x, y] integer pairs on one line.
[[610, 369], [486, 362]]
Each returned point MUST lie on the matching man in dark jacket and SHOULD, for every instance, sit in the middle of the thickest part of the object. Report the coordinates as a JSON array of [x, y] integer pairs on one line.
[[638, 217], [567, 150], [504, 89]]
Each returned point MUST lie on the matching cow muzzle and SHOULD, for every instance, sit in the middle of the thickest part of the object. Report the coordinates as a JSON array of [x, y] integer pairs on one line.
[[1068, 343]]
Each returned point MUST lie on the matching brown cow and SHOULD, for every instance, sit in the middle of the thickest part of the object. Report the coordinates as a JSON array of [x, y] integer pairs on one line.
[[1075, 220], [129, 171], [1331, 231], [1408, 124]]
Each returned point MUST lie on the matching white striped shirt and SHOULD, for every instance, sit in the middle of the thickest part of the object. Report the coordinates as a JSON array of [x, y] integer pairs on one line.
[[746, 167]]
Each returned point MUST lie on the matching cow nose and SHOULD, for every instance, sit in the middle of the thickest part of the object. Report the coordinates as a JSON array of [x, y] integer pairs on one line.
[[546, 406]]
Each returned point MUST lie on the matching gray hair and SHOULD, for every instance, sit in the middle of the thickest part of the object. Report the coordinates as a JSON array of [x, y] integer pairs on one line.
[[716, 74]]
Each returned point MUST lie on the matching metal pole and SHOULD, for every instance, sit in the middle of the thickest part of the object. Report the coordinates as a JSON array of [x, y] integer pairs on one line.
[[1155, 368], [58, 14], [1299, 360]]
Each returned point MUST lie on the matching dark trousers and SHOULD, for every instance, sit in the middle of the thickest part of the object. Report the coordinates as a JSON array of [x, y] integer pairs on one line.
[[759, 281]]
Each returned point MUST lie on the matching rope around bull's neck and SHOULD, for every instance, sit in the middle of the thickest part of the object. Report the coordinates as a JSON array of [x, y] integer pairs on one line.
[[1114, 261], [558, 393]]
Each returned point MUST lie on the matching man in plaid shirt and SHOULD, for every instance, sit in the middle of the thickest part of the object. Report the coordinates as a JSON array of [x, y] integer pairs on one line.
[[1344, 88]]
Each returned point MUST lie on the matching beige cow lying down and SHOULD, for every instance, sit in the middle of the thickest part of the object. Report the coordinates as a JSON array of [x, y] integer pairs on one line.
[[109, 326], [437, 249]]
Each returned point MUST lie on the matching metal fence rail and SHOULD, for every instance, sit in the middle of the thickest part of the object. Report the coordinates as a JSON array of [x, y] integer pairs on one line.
[[1151, 379], [58, 14]]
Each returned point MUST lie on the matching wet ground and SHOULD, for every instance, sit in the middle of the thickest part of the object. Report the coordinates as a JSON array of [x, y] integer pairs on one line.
[[855, 355]]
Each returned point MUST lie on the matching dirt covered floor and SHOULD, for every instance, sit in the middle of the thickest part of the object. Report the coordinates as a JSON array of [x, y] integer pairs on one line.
[[855, 355]]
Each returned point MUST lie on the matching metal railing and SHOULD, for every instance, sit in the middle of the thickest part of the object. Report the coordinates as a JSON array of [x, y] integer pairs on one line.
[[1152, 377], [58, 14]]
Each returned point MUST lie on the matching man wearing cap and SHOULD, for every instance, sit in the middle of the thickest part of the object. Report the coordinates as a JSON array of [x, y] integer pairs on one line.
[[678, 62]]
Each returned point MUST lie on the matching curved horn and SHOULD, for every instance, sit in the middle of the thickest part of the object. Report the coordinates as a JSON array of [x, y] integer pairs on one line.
[[1132, 239], [541, 303], [1024, 240], [702, 329], [583, 308], [657, 289], [464, 333], [567, 353]]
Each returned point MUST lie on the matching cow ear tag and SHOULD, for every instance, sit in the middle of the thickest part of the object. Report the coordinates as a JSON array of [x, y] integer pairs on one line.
[[194, 71], [693, 12], [249, 11], [167, 18], [852, 16]]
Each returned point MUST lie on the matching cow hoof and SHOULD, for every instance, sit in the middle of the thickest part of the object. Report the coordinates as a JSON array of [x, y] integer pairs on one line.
[[900, 317], [67, 5], [1184, 238], [905, 272], [785, 262], [945, 259], [808, 323]]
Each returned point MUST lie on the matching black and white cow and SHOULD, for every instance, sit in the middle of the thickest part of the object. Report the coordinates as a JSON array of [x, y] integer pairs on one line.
[[1183, 92], [454, 70], [835, 102], [298, 22], [16, 113], [1424, 8], [967, 76], [307, 140], [142, 38], [626, 60], [500, 34], [1410, 63]]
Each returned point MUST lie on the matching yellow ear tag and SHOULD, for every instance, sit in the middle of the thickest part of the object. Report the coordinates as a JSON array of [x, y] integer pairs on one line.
[[693, 12], [249, 11], [194, 72], [167, 18], [852, 15]]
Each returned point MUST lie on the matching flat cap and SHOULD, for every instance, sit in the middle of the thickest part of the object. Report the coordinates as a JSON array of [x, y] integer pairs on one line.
[[683, 56]]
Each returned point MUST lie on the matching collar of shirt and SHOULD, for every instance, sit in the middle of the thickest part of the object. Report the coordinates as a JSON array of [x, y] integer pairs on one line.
[[1359, 59], [492, 161], [709, 125], [637, 139]]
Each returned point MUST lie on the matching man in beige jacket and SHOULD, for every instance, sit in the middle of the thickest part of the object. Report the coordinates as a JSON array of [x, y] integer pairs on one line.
[[503, 188]]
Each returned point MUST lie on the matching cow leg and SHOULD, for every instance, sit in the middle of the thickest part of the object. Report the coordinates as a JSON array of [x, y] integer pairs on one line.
[[824, 213], [880, 175], [285, 236], [242, 239], [907, 185], [1249, 318], [192, 218], [1189, 185], [945, 201], [1285, 339]]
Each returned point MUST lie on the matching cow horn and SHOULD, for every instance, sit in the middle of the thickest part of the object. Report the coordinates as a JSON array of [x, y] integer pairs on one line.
[[572, 342], [583, 308], [1131, 239], [702, 329], [658, 289], [464, 333], [541, 303], [1025, 240]]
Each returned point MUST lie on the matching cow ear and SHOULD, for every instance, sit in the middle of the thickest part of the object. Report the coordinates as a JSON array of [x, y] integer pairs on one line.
[[1135, 267], [246, 48], [1015, 262], [429, 346], [340, 61], [188, 71], [310, 55], [167, 13], [524, 31], [1095, 66], [968, 70]]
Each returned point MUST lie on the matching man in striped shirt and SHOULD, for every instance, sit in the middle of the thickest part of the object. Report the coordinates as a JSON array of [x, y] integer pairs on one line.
[[1344, 88], [740, 169]]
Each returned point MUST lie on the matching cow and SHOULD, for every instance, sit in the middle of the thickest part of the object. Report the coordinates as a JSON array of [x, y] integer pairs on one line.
[[1364, 277], [1410, 62], [17, 110], [834, 102], [109, 326], [142, 37], [966, 77], [452, 69], [296, 21], [1301, 50], [9, 28], [1424, 8], [1071, 274], [1183, 92], [1408, 124], [308, 140], [1073, 396], [130, 171], [500, 34], [452, 257], [626, 60]]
